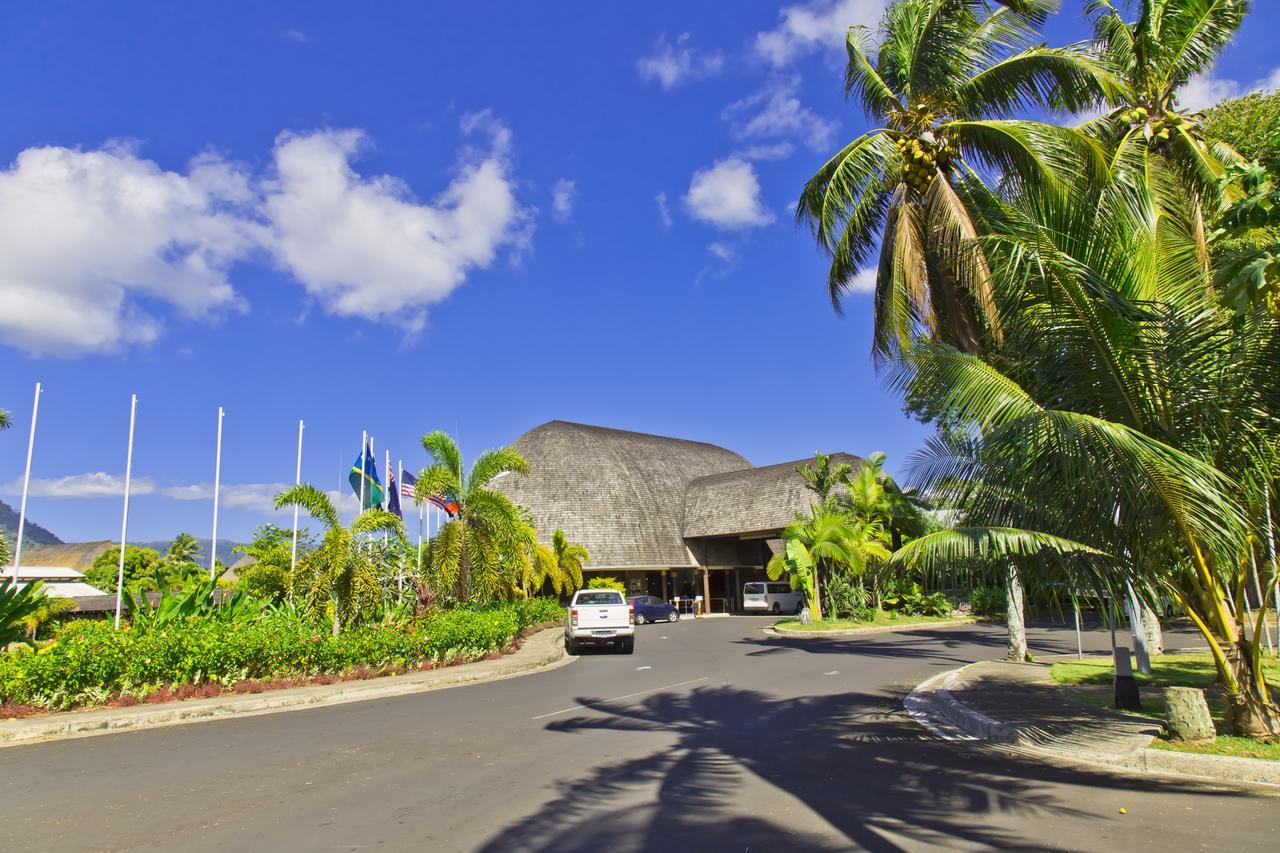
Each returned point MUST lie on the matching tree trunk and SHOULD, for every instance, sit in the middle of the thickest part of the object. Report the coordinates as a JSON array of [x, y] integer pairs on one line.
[[1250, 711], [1017, 627], [817, 595], [1152, 631]]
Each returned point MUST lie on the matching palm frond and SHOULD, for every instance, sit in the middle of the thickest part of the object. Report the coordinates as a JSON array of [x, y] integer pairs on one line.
[[313, 500]]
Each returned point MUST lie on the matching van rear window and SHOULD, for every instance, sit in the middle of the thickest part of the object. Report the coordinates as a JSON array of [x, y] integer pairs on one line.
[[606, 597], [751, 588]]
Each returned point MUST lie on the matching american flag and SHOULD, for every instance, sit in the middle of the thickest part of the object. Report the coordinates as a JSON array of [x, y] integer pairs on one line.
[[408, 484]]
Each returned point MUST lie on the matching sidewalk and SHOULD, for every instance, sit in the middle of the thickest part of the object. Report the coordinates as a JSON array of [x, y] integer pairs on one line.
[[1018, 706], [541, 651]]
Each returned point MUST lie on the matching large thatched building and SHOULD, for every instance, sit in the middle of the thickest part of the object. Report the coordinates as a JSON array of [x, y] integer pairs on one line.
[[672, 517]]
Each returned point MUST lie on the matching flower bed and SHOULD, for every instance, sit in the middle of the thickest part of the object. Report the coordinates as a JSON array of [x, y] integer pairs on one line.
[[91, 663]]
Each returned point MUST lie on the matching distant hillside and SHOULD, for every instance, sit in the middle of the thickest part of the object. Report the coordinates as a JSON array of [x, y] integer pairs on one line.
[[35, 534], [224, 550]]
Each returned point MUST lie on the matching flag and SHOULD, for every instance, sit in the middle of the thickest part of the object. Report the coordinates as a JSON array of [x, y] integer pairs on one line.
[[372, 487], [408, 486], [447, 502], [393, 494]]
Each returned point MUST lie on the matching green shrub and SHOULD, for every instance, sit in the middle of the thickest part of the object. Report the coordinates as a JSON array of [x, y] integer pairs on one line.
[[845, 600], [89, 661], [988, 602], [607, 583]]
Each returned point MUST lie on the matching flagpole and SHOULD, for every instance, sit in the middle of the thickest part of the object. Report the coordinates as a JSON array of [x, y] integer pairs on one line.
[[217, 487], [399, 502], [26, 482], [124, 523], [364, 466], [297, 481]]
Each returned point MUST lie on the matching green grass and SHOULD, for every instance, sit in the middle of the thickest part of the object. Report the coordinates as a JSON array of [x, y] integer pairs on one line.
[[1089, 681], [882, 618]]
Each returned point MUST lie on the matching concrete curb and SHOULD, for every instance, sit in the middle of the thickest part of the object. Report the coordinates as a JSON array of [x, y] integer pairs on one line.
[[871, 629], [932, 702], [540, 652]]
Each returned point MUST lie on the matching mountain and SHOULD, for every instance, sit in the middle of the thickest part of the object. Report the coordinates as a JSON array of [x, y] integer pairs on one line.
[[35, 534], [225, 553]]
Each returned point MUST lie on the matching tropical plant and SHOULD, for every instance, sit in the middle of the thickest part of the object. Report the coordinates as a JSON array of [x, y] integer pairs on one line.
[[827, 541], [822, 477], [183, 549], [17, 604], [6, 420], [1241, 123], [1168, 43], [1247, 270], [6, 554], [338, 578], [1126, 433], [198, 602], [945, 79], [988, 602], [570, 560], [599, 582], [48, 612], [483, 552], [141, 569]]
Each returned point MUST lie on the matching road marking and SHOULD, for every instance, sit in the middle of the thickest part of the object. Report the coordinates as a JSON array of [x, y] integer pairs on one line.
[[640, 668], [628, 696], [832, 672]]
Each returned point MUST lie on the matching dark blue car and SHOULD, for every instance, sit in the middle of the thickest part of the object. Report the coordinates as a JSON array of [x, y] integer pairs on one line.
[[652, 609]]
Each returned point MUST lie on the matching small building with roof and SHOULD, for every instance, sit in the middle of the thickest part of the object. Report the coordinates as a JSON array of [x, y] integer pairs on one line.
[[668, 516]]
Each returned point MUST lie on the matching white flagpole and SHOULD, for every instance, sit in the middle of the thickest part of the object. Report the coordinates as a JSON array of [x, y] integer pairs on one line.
[[26, 481], [297, 481], [386, 492], [217, 487], [124, 523], [364, 467], [420, 514], [399, 503]]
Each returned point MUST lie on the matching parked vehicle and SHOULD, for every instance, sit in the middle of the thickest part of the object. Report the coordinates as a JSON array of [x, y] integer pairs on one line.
[[772, 597], [600, 617], [650, 608]]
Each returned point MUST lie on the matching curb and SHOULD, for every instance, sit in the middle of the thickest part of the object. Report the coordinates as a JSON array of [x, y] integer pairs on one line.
[[933, 699], [871, 629], [545, 652]]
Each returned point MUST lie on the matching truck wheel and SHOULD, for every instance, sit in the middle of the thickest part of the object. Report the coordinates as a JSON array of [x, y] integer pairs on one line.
[[570, 645], [628, 645]]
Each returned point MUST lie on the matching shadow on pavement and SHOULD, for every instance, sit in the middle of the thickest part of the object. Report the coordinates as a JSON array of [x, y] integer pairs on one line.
[[873, 776]]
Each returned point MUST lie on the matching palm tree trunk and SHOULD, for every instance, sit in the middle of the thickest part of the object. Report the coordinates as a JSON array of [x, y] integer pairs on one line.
[[1251, 712], [1151, 629], [817, 595], [1017, 625]]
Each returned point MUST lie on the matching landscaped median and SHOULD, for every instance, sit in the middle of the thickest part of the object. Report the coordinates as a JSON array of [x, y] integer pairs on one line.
[[882, 622], [92, 664]]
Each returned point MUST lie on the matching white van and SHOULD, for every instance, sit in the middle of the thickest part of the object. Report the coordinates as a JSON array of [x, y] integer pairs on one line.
[[771, 597]]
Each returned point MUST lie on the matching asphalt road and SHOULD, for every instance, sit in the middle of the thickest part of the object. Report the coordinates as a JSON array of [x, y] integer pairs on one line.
[[712, 736]]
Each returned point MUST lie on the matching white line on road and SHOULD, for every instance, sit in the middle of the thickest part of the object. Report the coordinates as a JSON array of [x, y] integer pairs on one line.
[[642, 668], [628, 696]]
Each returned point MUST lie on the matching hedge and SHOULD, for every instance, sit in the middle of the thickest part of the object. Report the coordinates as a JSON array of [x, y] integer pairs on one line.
[[90, 662]]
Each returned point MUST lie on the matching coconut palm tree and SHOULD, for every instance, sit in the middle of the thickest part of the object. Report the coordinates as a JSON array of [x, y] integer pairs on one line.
[[571, 559], [484, 550], [1129, 433], [5, 420], [339, 574], [822, 477], [827, 541], [1168, 43], [941, 88], [183, 549]]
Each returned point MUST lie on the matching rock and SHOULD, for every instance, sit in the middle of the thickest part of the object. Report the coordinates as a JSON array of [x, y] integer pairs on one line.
[[1187, 715], [19, 649]]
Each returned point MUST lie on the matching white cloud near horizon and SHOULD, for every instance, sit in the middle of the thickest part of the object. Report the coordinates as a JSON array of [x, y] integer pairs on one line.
[[365, 247], [727, 195], [672, 63], [92, 242], [563, 196], [816, 25], [97, 484], [1205, 90], [774, 112]]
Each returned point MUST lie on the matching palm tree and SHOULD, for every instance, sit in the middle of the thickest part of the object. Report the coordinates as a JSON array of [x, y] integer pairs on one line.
[[1129, 434], [183, 549], [5, 420], [339, 573], [941, 88], [484, 551], [828, 540], [571, 559], [1168, 43], [822, 477]]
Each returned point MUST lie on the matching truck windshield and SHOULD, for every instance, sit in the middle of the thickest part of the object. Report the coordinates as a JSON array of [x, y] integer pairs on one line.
[[600, 598]]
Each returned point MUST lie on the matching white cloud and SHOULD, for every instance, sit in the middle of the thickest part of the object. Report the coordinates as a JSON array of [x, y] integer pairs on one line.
[[98, 484], [364, 247], [297, 36], [664, 210], [864, 281], [721, 251], [727, 195], [1205, 90], [770, 151], [563, 195], [253, 497], [673, 63], [775, 112], [91, 242], [821, 24]]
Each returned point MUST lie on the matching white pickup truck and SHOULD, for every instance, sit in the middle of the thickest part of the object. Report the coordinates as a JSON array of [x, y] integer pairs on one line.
[[599, 617]]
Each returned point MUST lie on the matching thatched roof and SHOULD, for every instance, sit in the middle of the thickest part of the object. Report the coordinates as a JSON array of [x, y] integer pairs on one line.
[[75, 555], [620, 494], [753, 501]]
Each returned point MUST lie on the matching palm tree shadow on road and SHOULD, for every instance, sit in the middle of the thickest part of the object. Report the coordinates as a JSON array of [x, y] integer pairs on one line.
[[854, 759]]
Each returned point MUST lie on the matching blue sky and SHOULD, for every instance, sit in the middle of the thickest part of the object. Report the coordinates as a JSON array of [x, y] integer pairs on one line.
[[408, 216]]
